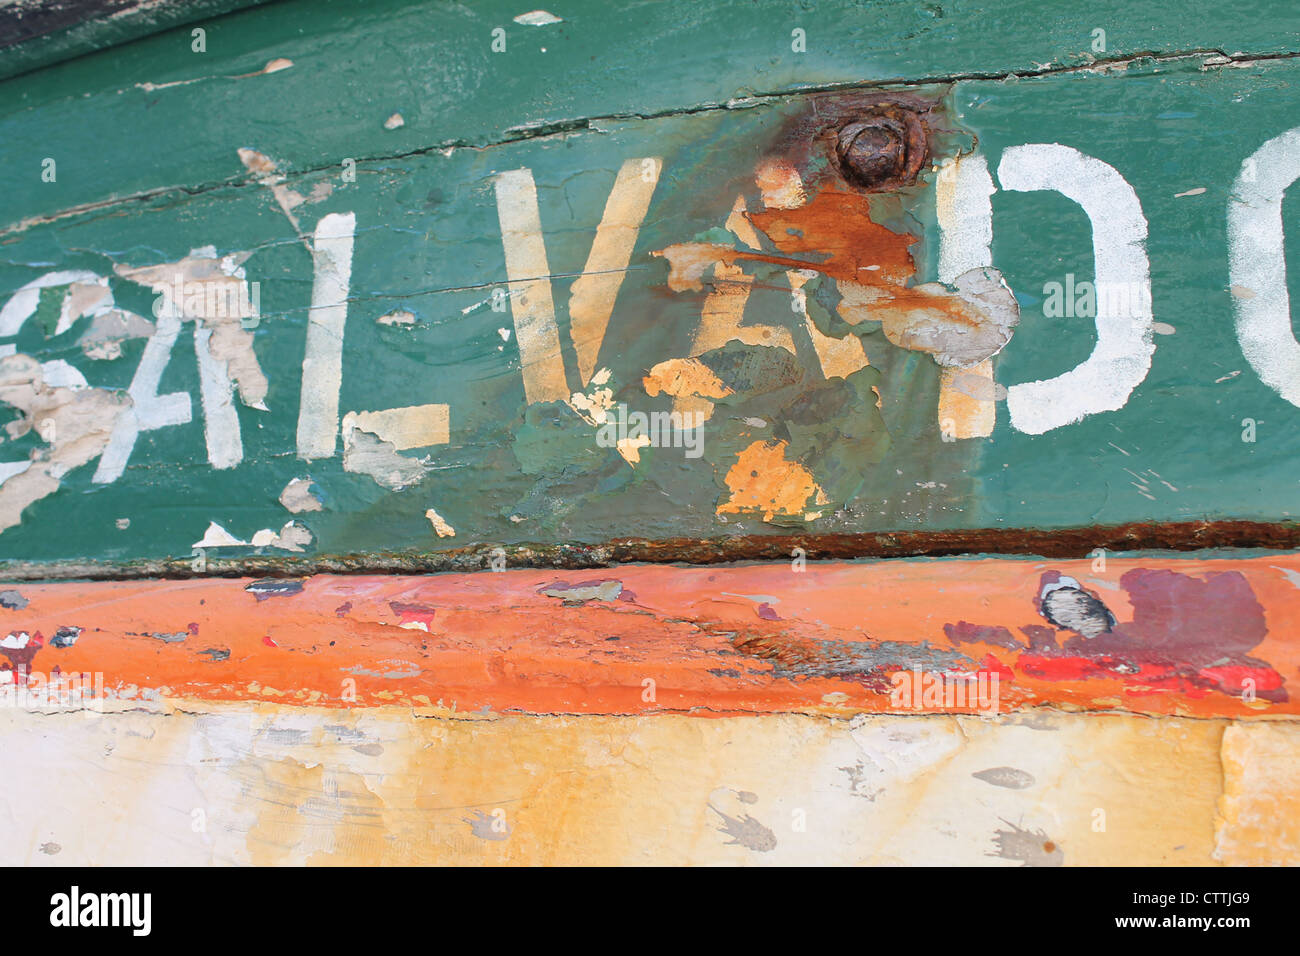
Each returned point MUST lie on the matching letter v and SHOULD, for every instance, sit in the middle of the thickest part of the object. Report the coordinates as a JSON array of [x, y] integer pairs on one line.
[[592, 300]]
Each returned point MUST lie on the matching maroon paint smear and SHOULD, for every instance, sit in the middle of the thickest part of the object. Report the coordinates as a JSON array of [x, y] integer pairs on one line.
[[1189, 635]]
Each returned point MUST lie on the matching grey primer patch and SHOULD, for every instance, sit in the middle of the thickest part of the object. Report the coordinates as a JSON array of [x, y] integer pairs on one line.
[[370, 750], [1067, 605], [49, 849], [66, 636], [217, 653], [480, 825], [269, 587], [289, 736], [585, 591], [1034, 721], [13, 600], [746, 832], [1031, 847], [858, 784], [1008, 777], [175, 638], [343, 732]]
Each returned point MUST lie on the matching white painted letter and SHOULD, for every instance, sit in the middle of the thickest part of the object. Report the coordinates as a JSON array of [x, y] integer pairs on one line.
[[1257, 264], [1122, 356]]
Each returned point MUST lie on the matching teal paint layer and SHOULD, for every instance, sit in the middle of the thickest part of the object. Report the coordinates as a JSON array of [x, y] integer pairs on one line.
[[428, 242]]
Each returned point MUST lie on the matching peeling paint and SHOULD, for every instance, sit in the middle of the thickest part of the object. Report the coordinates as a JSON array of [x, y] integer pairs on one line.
[[297, 496], [366, 453], [440, 526], [77, 422], [214, 291], [292, 537]]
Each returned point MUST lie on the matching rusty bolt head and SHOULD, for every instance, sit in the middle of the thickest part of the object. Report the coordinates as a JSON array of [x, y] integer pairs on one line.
[[882, 150]]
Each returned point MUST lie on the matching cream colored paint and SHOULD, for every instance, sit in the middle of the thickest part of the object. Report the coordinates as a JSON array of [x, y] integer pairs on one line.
[[591, 301], [411, 426], [964, 211], [532, 303], [270, 784]]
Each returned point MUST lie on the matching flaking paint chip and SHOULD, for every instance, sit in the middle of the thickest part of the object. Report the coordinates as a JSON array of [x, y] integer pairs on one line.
[[537, 18], [394, 122], [440, 525], [217, 537], [297, 496]]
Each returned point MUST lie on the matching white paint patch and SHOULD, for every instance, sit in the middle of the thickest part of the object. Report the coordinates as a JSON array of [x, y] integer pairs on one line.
[[1292, 576], [10, 468], [1122, 356], [59, 374], [394, 122], [292, 537], [220, 420], [218, 537], [87, 294], [964, 210], [212, 291], [322, 364], [1257, 264], [537, 18], [149, 410]]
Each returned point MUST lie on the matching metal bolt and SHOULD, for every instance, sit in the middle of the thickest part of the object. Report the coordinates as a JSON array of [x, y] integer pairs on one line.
[[882, 150]]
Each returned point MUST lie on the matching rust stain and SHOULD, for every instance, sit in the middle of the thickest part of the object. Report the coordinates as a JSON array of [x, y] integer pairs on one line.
[[835, 230], [1176, 536]]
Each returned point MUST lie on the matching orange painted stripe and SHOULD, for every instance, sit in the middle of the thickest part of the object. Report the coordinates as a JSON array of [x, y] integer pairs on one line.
[[1192, 635]]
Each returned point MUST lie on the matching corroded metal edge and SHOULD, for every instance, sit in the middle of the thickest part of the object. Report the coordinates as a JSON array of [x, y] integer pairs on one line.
[[485, 556]]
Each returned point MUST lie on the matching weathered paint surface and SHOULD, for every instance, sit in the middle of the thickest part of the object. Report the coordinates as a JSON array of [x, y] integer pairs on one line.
[[389, 293], [268, 784], [466, 312], [1197, 636]]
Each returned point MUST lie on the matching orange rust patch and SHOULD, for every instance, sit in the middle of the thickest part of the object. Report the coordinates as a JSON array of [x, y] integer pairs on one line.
[[836, 229], [833, 234], [763, 481]]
